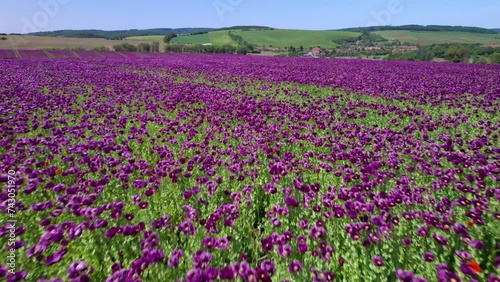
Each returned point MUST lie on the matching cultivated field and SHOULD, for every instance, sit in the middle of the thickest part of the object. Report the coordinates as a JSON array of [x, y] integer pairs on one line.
[[26, 42], [277, 38], [310, 38], [437, 37], [284, 37], [196, 168], [193, 39]]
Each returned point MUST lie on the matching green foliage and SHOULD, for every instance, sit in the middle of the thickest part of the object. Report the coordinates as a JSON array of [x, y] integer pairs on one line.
[[169, 37], [155, 46], [365, 39], [207, 49], [125, 47], [479, 59], [76, 48], [144, 47], [199, 32], [451, 52], [244, 47], [415, 27], [495, 58], [424, 54], [457, 54], [246, 27], [118, 34], [100, 48]]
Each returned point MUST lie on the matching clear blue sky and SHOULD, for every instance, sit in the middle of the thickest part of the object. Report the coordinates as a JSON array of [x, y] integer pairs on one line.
[[20, 16]]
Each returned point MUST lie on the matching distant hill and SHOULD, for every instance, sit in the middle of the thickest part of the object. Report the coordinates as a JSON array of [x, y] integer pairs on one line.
[[109, 34], [440, 37], [414, 27], [280, 38], [330, 38], [496, 29], [246, 27]]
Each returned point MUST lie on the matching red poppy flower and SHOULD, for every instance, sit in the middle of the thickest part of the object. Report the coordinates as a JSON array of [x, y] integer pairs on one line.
[[58, 171], [470, 223], [474, 266]]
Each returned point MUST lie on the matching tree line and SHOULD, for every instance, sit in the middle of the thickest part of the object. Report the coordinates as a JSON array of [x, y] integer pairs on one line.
[[424, 28], [206, 49], [451, 52], [142, 47]]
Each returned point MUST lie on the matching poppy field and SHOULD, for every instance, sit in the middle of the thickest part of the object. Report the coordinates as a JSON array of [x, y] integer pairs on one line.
[[187, 167]]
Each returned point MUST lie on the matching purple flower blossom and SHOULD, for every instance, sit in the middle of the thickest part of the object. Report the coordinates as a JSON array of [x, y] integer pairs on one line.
[[294, 266]]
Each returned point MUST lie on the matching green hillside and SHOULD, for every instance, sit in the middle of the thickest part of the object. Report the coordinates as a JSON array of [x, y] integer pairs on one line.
[[221, 38], [192, 39], [97, 33], [276, 37], [287, 37], [439, 37], [325, 38]]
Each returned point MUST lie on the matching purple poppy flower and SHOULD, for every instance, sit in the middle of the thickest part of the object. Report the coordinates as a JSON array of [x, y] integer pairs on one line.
[[267, 244], [374, 237], [378, 261], [284, 250], [317, 232], [429, 257], [304, 224], [201, 259], [493, 278], [440, 239], [17, 276], [227, 273], [341, 261], [463, 255], [195, 275], [222, 244], [405, 276], [175, 257], [291, 201], [406, 241], [294, 266], [55, 257], [268, 266], [76, 268], [465, 268], [422, 231], [187, 228], [208, 242], [302, 247], [477, 244]]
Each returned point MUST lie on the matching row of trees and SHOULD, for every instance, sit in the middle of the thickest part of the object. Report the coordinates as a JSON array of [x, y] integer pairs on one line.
[[206, 49], [169, 37], [451, 52], [365, 39], [241, 43], [142, 47], [413, 27]]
